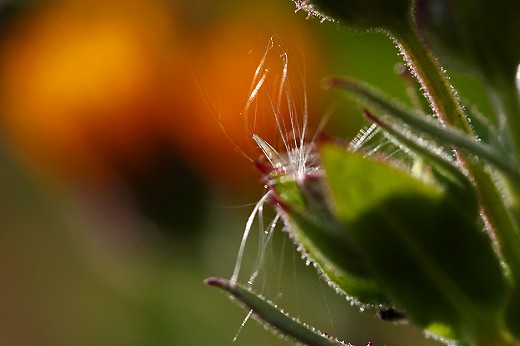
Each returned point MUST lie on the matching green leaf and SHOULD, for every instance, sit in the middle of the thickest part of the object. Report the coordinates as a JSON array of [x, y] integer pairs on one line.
[[423, 246], [319, 235], [336, 259], [268, 313]]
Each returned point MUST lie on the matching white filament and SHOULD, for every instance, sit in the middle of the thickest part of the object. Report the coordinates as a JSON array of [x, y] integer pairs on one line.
[[245, 235], [242, 325], [264, 243]]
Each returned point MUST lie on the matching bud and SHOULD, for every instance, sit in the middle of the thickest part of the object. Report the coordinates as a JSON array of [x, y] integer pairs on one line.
[[360, 14]]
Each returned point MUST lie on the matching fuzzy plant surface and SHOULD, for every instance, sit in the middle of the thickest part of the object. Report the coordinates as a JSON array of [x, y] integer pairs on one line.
[[431, 234]]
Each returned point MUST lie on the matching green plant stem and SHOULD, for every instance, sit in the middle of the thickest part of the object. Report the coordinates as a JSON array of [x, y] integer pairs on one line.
[[501, 219], [431, 77], [505, 99], [450, 113], [444, 135]]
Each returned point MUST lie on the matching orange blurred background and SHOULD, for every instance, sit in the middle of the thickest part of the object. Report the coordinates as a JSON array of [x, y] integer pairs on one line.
[[91, 89]]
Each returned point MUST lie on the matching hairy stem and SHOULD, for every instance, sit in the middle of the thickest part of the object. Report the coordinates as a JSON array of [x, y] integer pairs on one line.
[[447, 108], [432, 79]]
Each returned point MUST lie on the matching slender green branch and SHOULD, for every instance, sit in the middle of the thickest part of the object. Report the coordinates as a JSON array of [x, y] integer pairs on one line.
[[502, 221], [445, 135], [270, 314], [432, 79]]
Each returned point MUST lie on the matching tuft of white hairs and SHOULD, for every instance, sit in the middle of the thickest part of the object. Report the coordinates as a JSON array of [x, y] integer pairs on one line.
[[298, 158]]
